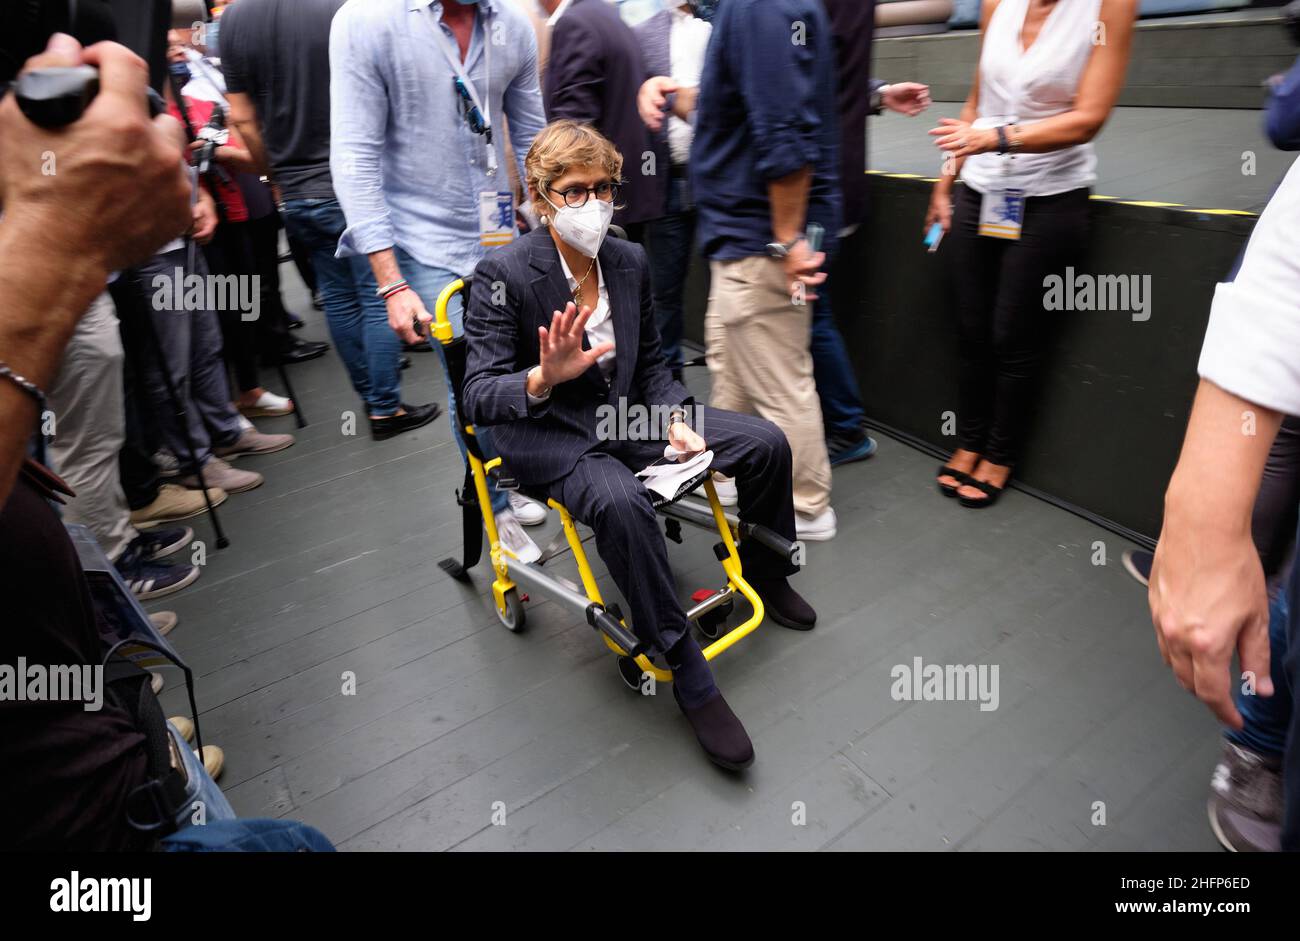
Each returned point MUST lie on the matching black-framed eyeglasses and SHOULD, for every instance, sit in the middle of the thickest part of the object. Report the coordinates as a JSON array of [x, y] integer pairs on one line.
[[477, 123], [575, 197]]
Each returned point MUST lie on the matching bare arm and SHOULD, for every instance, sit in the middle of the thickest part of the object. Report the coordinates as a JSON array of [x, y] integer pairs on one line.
[[940, 208], [244, 129], [789, 199], [1099, 88], [60, 235], [1207, 585]]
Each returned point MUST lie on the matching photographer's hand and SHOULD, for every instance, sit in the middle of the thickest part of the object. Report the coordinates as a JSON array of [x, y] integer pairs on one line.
[[79, 202]]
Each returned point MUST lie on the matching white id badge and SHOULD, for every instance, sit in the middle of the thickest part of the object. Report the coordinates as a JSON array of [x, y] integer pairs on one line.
[[496, 215], [1001, 213]]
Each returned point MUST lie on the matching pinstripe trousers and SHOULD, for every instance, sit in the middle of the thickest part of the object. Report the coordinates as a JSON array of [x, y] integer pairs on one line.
[[603, 492]]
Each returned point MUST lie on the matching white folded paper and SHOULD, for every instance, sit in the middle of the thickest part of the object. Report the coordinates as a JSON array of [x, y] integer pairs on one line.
[[667, 478]]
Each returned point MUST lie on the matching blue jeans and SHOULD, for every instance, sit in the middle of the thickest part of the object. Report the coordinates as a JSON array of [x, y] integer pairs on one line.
[[369, 348], [837, 386], [670, 240], [428, 282], [1288, 659], [1267, 718], [200, 788], [221, 830]]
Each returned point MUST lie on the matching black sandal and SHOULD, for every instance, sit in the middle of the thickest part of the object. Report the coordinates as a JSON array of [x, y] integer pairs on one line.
[[962, 477], [991, 494]]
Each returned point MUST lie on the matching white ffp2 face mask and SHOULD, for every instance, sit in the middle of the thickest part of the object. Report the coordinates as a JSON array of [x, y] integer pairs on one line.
[[584, 228]]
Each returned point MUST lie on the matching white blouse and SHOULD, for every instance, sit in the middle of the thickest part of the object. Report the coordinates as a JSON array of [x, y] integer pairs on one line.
[[1023, 87]]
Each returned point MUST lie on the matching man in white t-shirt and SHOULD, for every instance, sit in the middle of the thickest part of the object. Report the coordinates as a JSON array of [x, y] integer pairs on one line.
[[1207, 585]]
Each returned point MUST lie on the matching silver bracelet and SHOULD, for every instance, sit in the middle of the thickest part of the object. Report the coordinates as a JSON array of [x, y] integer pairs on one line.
[[6, 372]]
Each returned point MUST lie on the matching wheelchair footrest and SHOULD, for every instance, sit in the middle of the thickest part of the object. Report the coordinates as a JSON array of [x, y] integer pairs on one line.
[[612, 628]]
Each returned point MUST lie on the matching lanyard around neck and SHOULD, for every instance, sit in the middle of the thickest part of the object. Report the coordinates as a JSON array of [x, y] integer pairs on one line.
[[451, 53]]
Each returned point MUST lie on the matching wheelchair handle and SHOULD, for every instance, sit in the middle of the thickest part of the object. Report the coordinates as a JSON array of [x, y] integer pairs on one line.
[[613, 628], [769, 538], [441, 322]]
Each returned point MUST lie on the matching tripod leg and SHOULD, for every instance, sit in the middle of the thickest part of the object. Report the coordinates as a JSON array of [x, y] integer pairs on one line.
[[288, 390]]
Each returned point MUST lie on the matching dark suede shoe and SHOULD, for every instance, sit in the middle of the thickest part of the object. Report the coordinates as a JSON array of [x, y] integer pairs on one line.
[[720, 733], [784, 605], [417, 416]]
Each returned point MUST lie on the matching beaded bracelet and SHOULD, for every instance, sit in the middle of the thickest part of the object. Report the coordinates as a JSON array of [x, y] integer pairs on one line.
[[26, 385]]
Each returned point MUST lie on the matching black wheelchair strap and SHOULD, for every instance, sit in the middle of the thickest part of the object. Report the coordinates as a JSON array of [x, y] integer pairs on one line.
[[472, 531], [151, 807]]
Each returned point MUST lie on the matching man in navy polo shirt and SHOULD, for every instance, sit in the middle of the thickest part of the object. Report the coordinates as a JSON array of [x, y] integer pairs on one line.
[[765, 165]]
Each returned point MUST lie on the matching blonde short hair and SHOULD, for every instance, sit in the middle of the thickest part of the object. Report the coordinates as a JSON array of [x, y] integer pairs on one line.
[[563, 145]]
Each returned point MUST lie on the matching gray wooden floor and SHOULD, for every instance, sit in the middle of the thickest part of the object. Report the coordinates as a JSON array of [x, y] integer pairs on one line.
[[332, 571], [1181, 155]]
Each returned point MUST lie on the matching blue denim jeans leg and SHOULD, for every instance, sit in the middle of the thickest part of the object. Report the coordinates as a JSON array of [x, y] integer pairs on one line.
[[200, 788], [366, 344], [1267, 718], [671, 240], [837, 386], [1290, 663], [428, 282]]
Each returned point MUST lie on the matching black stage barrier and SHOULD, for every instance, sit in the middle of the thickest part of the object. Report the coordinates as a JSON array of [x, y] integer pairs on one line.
[[1116, 385]]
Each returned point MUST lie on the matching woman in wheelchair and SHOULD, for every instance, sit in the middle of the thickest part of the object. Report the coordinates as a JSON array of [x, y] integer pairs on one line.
[[561, 323]]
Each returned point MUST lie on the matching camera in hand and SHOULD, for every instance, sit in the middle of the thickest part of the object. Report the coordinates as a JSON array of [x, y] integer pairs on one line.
[[58, 96]]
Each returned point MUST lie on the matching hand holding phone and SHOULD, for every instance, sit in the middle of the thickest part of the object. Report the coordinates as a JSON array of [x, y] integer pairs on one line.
[[934, 237]]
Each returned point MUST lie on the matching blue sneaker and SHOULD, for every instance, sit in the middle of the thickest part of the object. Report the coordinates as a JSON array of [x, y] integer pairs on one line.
[[157, 543], [149, 579], [847, 448]]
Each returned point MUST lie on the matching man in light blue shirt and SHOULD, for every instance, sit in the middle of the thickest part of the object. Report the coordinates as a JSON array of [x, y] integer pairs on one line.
[[418, 92]]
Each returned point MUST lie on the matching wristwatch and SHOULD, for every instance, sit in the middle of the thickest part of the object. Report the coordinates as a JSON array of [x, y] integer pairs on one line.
[[1008, 142], [781, 249]]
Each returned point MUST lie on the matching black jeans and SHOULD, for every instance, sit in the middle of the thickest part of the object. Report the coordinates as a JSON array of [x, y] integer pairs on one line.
[[231, 253], [670, 241], [1001, 320]]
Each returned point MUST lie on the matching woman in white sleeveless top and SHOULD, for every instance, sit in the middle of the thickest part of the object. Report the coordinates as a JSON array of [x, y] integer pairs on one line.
[[1049, 74]]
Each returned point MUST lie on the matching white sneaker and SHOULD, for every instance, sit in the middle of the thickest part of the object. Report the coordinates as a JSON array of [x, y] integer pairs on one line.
[[268, 403], [528, 512], [514, 540], [726, 490], [817, 528]]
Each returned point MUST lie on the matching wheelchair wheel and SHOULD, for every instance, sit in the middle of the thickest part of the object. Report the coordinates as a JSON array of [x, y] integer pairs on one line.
[[513, 618], [712, 623], [630, 670]]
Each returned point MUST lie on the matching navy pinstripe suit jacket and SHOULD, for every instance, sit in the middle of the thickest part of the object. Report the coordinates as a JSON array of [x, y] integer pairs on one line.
[[542, 443]]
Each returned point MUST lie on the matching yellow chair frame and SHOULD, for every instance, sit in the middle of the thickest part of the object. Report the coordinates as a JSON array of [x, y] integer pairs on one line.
[[511, 574]]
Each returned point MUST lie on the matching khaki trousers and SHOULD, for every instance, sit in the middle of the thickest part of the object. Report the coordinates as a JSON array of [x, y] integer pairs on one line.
[[757, 343], [86, 399]]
